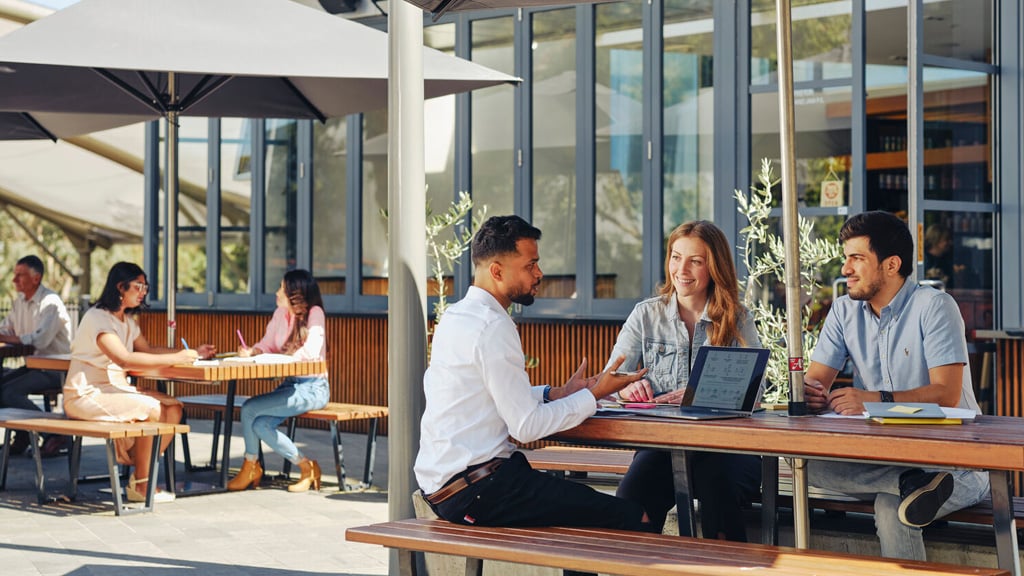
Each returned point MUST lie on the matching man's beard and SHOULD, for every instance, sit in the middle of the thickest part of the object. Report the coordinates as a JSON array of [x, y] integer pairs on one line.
[[868, 293], [525, 298]]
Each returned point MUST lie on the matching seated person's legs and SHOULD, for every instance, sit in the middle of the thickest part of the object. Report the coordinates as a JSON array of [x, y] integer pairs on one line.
[[648, 482], [14, 393], [724, 484], [516, 495]]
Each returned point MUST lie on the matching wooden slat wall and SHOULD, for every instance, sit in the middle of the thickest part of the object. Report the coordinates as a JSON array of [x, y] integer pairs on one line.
[[1010, 388], [357, 351]]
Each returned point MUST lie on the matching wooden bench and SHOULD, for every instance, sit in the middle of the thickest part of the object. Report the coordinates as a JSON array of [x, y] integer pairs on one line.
[[333, 413], [36, 423], [628, 553], [578, 462]]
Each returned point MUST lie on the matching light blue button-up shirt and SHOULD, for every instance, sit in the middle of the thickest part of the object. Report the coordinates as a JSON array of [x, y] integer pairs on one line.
[[655, 337], [921, 328]]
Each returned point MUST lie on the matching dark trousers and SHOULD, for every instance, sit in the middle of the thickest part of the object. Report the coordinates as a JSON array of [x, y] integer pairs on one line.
[[723, 483], [517, 495]]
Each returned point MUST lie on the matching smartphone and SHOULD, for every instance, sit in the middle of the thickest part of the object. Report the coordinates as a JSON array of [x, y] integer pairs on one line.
[[624, 373]]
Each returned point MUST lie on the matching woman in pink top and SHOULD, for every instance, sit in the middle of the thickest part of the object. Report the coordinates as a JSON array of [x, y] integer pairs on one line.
[[297, 329]]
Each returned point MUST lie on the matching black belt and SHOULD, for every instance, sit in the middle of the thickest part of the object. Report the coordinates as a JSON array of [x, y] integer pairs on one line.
[[465, 479]]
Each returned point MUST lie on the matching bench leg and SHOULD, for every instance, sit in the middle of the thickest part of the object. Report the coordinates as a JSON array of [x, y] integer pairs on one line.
[[684, 495], [339, 456], [170, 478], [229, 422], [769, 500], [74, 464], [115, 478], [40, 481], [407, 563], [5, 459], [371, 453], [474, 567], [120, 508], [1002, 521], [292, 428]]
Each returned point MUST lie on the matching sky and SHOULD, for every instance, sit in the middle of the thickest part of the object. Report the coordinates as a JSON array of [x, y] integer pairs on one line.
[[55, 4]]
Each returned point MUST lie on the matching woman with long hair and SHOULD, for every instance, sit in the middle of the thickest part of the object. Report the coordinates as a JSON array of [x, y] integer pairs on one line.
[[297, 329], [697, 305], [107, 344]]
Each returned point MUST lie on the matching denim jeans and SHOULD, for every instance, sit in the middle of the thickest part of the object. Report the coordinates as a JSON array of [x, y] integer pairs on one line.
[[882, 484], [261, 415]]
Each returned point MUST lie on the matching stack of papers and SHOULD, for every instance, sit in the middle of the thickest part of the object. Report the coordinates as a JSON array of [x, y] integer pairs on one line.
[[263, 359], [915, 413]]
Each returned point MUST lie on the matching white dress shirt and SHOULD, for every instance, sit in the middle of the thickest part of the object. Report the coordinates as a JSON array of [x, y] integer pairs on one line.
[[41, 321], [478, 393]]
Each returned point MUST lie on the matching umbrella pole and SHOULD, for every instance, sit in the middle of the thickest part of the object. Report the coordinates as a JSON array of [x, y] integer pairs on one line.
[[171, 228], [794, 324]]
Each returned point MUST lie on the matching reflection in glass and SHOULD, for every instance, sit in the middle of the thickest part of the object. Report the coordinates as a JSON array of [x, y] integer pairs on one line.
[[375, 199], [235, 206], [439, 149], [822, 143], [821, 41], [554, 148], [959, 29], [493, 116], [688, 115], [280, 214], [619, 146], [330, 168], [193, 150], [958, 253], [957, 120]]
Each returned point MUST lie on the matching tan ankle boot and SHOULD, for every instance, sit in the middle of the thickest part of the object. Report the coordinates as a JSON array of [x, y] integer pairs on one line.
[[250, 474], [310, 476]]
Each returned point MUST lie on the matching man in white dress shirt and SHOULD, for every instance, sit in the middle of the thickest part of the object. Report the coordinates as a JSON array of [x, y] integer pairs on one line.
[[478, 394], [39, 319]]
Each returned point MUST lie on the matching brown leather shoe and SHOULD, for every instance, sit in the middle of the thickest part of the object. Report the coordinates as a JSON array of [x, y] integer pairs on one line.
[[55, 446]]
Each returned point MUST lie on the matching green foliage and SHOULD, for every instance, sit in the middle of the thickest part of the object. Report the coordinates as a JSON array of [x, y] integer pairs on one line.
[[765, 255], [445, 253]]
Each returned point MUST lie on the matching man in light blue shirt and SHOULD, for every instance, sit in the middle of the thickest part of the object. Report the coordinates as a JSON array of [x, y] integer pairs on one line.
[[906, 343]]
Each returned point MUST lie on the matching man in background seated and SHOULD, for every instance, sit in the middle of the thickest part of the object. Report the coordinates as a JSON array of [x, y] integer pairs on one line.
[[907, 344], [39, 319], [478, 394]]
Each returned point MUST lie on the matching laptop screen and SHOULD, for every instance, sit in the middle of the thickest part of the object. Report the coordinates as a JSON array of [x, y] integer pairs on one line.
[[727, 378]]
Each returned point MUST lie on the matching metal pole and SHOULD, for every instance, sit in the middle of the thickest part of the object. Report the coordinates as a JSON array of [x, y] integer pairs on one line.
[[407, 255], [794, 320], [171, 218], [915, 127]]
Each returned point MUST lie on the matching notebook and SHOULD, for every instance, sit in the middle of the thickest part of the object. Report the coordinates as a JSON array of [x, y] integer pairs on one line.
[[724, 383], [910, 413]]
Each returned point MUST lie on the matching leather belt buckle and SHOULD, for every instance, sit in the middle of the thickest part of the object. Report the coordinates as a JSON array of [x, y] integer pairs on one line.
[[463, 480]]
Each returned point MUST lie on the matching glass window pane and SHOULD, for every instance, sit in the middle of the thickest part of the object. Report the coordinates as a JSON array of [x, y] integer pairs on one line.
[[959, 29], [439, 150], [619, 147], [958, 253], [193, 154], [822, 143], [554, 148], [235, 203], [689, 112], [821, 41], [330, 170], [375, 199], [280, 214], [493, 118], [957, 122]]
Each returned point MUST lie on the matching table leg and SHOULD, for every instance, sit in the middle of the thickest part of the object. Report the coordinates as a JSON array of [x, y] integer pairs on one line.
[[371, 453], [1003, 523], [684, 495], [769, 500], [801, 516], [229, 420]]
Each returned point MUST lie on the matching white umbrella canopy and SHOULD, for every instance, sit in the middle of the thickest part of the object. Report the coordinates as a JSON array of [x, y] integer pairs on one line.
[[227, 58], [43, 125], [239, 58]]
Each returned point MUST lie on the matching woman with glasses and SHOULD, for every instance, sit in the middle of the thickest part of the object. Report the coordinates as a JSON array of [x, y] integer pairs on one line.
[[297, 329], [107, 344]]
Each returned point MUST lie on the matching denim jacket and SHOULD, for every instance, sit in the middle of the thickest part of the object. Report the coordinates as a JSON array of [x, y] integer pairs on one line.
[[655, 337]]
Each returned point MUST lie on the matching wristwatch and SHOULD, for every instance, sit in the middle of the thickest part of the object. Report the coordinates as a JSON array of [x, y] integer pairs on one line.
[[886, 396]]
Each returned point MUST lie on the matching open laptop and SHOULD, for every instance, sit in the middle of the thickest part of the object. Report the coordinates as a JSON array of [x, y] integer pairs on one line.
[[724, 383]]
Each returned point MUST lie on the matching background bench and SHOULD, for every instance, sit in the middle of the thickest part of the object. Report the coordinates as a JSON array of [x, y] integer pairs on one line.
[[628, 553], [36, 423], [332, 414], [577, 462]]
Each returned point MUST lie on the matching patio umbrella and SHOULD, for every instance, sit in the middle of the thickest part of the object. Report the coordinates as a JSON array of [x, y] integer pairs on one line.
[[229, 58], [440, 7], [26, 126]]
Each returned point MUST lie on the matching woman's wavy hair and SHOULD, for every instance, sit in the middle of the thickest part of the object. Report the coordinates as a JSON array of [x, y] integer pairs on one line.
[[303, 293], [119, 278], [724, 308]]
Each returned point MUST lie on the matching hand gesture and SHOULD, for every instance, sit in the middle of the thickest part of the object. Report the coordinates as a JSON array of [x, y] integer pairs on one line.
[[610, 382], [245, 352], [186, 356], [815, 396], [673, 397], [206, 351], [639, 391], [849, 401]]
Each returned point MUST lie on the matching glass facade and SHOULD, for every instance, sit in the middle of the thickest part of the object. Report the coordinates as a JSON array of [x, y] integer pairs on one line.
[[614, 137]]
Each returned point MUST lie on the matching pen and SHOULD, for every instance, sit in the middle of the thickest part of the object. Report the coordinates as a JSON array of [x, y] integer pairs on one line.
[[240, 339], [185, 344]]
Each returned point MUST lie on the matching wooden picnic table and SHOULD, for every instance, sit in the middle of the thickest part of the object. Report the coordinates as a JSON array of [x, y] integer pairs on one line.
[[992, 443]]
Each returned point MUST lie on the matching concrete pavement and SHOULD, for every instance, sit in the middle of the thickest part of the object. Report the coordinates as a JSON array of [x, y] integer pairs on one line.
[[268, 532]]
